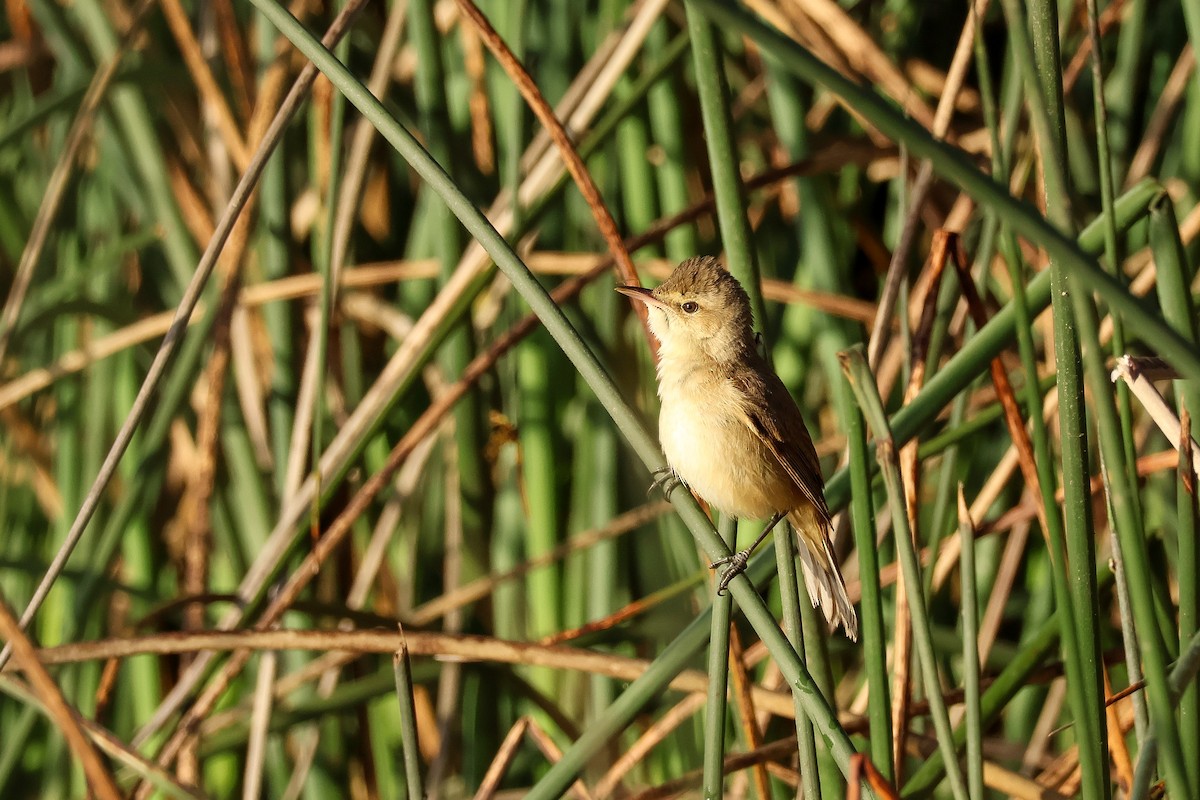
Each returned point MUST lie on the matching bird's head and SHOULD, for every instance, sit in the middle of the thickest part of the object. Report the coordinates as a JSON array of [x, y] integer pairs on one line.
[[699, 310]]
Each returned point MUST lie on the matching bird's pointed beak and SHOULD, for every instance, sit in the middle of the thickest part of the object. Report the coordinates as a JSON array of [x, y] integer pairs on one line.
[[643, 294]]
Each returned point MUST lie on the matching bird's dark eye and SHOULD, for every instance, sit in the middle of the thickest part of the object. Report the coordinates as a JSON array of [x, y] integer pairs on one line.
[[690, 307]]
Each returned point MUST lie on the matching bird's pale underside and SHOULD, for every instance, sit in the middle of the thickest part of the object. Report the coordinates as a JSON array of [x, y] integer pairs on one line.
[[728, 426]]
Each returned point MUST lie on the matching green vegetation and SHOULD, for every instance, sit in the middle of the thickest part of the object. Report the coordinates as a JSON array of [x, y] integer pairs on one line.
[[369, 518]]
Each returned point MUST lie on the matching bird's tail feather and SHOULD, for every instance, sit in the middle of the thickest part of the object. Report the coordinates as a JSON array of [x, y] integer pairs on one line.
[[826, 587]]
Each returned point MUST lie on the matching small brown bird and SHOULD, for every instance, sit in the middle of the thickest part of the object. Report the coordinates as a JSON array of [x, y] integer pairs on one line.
[[729, 428]]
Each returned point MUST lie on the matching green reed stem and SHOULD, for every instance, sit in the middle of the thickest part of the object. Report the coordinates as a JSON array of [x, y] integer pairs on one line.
[[854, 363]]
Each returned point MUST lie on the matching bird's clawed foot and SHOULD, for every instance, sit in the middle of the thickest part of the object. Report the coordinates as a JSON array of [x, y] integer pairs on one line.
[[666, 481], [734, 565]]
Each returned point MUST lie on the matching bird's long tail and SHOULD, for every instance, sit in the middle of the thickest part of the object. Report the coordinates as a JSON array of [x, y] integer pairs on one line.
[[826, 587]]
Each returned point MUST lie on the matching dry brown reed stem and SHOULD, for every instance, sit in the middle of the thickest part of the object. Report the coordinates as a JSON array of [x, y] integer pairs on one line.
[[570, 156], [1004, 392], [501, 761], [1117, 747], [479, 106], [1108, 18], [740, 689], [260, 724], [194, 507], [195, 510], [1015, 785], [465, 647], [554, 755], [769, 754], [940, 250], [211, 96], [865, 770], [237, 63], [1130, 370], [66, 719], [910, 478], [629, 611]]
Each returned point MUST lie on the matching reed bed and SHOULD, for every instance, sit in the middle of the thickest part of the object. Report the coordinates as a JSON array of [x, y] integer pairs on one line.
[[326, 441]]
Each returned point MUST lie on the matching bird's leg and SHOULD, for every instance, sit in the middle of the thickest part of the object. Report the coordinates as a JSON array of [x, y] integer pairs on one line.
[[665, 480], [736, 563]]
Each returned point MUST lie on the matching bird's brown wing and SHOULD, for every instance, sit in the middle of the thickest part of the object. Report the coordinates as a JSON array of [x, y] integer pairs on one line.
[[784, 433]]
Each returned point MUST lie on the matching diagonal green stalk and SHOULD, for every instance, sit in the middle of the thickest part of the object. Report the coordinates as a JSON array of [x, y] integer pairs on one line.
[[585, 361], [854, 363]]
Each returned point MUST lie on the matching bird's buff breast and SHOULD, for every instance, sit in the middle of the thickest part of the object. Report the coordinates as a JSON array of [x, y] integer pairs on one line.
[[707, 442]]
